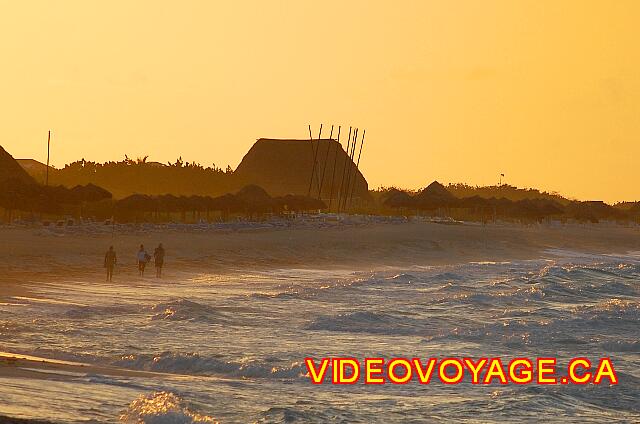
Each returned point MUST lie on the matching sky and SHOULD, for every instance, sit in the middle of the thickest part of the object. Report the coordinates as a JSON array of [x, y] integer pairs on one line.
[[546, 92]]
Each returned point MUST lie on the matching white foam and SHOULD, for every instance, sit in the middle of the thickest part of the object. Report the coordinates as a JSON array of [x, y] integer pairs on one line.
[[161, 408]]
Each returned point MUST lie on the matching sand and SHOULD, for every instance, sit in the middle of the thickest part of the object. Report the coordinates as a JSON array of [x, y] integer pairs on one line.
[[32, 255]]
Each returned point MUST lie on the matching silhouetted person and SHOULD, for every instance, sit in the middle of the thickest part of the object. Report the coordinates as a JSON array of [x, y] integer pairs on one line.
[[143, 258], [158, 258], [110, 262]]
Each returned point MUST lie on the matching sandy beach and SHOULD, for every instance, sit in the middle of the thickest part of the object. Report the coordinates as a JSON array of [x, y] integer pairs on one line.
[[30, 255]]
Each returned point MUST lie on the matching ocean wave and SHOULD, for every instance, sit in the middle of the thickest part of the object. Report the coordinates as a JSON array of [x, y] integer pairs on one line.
[[186, 310], [621, 346], [12, 328], [195, 364], [162, 408], [83, 312], [306, 414], [373, 323], [311, 292], [611, 317]]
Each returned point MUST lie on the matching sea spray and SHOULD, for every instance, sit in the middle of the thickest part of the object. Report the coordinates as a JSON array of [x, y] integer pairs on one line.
[[161, 408]]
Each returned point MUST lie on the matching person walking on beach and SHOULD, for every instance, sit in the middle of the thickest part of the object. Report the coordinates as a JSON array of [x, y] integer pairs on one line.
[[110, 262], [158, 258], [143, 258]]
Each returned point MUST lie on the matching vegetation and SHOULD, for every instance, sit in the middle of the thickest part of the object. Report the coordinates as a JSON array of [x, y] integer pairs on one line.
[[483, 204], [505, 191], [139, 176]]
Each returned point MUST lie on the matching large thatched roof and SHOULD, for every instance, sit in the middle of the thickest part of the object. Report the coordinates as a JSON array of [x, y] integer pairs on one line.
[[37, 170], [284, 167], [10, 169]]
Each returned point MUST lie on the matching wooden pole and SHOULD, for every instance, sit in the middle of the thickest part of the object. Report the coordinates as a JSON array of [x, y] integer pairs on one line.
[[310, 179], [333, 176], [315, 161], [344, 166], [314, 154], [355, 172], [48, 149], [348, 181], [324, 168]]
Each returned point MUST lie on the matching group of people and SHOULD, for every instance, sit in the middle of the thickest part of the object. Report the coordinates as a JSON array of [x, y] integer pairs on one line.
[[142, 257]]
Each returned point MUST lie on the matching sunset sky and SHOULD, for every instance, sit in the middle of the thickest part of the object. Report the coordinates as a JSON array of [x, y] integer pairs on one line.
[[546, 92]]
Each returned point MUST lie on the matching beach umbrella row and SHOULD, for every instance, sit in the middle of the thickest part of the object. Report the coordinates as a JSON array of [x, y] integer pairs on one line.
[[436, 196], [250, 199], [17, 194]]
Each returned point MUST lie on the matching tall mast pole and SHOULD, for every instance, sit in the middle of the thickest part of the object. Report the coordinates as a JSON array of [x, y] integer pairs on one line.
[[315, 159], [312, 154], [344, 166], [333, 176], [48, 149], [348, 181], [355, 172], [324, 168]]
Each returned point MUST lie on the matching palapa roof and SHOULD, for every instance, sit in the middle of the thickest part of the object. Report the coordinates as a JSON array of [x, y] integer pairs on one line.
[[283, 166], [10, 169], [435, 195]]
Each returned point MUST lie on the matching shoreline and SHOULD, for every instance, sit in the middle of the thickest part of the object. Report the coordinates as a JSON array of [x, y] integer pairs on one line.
[[17, 365], [31, 256]]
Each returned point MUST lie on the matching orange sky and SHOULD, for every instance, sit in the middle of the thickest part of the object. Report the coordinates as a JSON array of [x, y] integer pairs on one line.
[[547, 92]]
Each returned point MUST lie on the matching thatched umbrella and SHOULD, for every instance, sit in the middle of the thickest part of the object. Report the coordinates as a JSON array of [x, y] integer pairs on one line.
[[137, 203], [299, 203], [196, 204], [256, 199], [474, 202], [549, 207], [90, 193], [398, 199], [227, 203], [635, 209], [59, 194], [593, 211], [534, 208], [18, 194], [435, 196], [168, 203]]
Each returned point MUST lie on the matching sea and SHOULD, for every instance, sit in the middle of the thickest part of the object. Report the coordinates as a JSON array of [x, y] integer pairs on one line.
[[230, 347]]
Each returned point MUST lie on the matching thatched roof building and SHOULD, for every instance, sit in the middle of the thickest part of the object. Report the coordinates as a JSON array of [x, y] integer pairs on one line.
[[284, 167], [10, 169]]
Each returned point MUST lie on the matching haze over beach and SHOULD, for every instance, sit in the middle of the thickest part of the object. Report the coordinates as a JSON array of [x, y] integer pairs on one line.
[[241, 190]]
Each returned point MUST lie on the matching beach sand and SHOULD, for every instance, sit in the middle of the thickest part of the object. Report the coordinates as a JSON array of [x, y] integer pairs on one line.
[[28, 255]]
